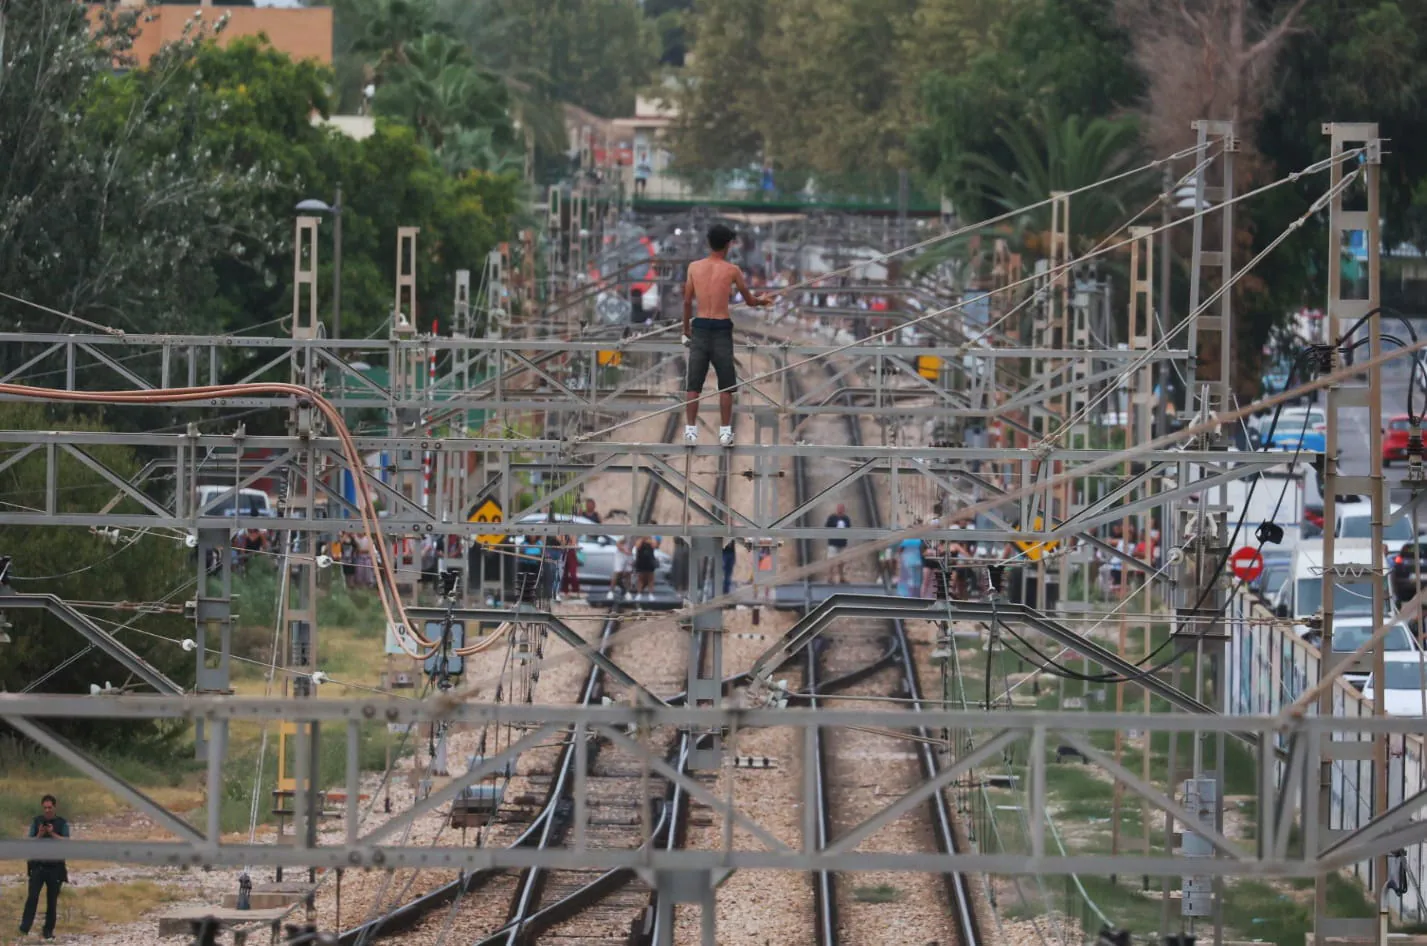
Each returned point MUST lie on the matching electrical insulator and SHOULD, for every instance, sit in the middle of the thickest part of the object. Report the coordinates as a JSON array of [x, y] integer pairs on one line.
[[245, 891], [1109, 937], [1415, 473], [1323, 358]]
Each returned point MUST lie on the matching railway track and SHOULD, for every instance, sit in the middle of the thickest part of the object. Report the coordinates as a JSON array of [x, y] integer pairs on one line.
[[875, 656], [569, 907]]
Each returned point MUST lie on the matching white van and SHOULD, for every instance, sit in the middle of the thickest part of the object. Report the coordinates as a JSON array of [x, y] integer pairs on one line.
[[249, 502], [1302, 597]]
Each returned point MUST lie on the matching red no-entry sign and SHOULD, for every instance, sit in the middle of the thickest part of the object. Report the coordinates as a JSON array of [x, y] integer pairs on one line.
[[1247, 564]]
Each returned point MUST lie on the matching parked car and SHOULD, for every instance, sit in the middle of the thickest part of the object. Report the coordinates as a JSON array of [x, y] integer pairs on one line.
[[1404, 682], [1349, 633], [1302, 597], [596, 552], [1394, 439], [1403, 571], [248, 502], [1277, 565], [1302, 430]]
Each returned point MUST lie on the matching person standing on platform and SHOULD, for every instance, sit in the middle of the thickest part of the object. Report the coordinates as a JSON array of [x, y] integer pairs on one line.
[[835, 547], [709, 337], [48, 876]]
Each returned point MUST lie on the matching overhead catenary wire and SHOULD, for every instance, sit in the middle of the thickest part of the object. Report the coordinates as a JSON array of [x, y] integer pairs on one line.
[[637, 627], [1314, 168]]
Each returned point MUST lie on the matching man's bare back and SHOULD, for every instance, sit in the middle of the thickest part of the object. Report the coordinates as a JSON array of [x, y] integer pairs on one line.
[[713, 281]]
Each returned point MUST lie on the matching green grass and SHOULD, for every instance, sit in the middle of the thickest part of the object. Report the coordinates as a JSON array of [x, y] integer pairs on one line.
[[30, 773], [88, 909], [1278, 911], [882, 893]]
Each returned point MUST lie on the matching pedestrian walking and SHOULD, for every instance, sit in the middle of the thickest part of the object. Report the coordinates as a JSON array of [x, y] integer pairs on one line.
[[909, 577], [570, 581], [45, 875], [835, 547], [730, 559], [709, 337], [642, 170], [619, 572], [645, 563], [679, 567]]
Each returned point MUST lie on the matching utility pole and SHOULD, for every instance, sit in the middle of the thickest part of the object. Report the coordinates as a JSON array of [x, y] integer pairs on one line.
[[337, 264], [1345, 313]]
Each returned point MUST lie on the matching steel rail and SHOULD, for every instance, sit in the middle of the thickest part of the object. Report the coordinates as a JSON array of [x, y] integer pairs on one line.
[[825, 928], [957, 885], [408, 915]]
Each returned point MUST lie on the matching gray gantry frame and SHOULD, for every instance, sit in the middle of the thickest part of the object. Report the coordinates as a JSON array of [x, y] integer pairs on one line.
[[1273, 853]]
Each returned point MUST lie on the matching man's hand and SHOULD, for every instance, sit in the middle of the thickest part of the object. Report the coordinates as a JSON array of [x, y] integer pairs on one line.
[[686, 340], [758, 301]]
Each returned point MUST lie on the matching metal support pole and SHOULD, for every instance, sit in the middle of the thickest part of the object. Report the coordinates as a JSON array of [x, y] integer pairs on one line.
[[1348, 306]]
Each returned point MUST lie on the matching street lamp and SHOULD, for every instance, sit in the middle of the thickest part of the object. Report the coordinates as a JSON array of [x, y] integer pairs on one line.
[[313, 205]]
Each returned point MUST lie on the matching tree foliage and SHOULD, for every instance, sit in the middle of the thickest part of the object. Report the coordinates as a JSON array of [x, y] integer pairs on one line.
[[78, 565], [162, 198]]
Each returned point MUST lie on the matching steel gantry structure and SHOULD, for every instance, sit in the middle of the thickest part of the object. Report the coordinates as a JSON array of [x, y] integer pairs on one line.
[[432, 416]]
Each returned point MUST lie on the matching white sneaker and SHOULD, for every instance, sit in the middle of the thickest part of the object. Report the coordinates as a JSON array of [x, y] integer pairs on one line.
[[609, 595], [691, 433], [725, 436]]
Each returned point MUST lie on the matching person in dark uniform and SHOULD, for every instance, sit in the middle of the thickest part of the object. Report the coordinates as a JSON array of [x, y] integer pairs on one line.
[[49, 875]]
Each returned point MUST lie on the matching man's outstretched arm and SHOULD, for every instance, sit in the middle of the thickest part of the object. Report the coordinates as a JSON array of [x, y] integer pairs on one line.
[[752, 298], [688, 304]]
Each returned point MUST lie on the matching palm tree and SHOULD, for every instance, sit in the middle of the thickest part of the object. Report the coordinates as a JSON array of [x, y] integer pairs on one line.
[[439, 89], [475, 149], [1048, 154], [391, 27]]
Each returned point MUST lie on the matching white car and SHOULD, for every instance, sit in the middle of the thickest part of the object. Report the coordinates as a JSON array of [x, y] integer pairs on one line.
[[1349, 633], [1405, 678], [596, 551]]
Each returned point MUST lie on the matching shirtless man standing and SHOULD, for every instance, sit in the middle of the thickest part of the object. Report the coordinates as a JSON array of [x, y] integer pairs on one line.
[[710, 338]]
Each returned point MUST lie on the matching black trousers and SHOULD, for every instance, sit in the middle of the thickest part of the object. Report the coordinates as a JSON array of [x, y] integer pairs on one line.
[[51, 885]]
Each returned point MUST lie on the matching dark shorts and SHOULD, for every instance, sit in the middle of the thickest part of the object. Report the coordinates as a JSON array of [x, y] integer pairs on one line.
[[711, 345]]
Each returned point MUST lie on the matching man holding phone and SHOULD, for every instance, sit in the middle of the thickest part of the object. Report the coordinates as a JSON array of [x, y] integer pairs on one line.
[[49, 875]]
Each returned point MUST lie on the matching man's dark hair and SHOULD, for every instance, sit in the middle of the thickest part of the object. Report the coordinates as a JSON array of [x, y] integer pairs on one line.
[[51, 799], [936, 509], [720, 237]]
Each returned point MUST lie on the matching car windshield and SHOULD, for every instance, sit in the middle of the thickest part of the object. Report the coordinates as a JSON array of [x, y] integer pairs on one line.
[[1350, 637], [1349, 597], [1273, 577], [1360, 527], [1403, 675], [1293, 421], [1400, 424]]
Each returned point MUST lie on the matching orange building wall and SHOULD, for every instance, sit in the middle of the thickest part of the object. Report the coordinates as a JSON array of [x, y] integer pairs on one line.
[[301, 33]]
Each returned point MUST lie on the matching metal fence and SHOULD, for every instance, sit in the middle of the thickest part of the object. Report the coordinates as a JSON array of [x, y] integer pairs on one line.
[[1269, 668]]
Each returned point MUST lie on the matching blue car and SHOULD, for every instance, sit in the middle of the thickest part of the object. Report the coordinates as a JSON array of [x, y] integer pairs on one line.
[[1306, 432]]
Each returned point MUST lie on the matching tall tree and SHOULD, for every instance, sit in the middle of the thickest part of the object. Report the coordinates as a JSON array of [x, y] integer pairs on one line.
[[720, 91], [438, 90], [593, 53], [1049, 57], [1206, 59], [99, 218]]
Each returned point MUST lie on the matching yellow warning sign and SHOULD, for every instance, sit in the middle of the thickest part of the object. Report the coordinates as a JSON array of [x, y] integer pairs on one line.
[[609, 359], [929, 367], [488, 511], [1034, 550]]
